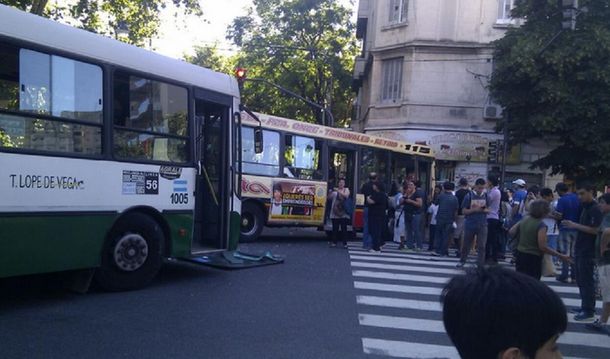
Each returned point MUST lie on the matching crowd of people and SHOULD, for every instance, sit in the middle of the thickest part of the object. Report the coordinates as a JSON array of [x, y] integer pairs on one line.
[[545, 230], [542, 232]]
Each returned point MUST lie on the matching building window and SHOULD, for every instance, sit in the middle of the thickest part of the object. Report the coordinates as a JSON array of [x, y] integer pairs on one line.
[[302, 157], [150, 120], [49, 103], [398, 11], [391, 81], [266, 163], [504, 9]]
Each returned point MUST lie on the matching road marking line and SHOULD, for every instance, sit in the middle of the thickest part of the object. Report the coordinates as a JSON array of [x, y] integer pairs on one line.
[[398, 288], [407, 268], [402, 260], [400, 254], [437, 326], [399, 276], [400, 349], [433, 306], [442, 280], [386, 321]]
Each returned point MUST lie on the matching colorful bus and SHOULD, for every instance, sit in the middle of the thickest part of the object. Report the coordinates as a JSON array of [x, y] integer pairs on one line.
[[300, 161], [112, 157]]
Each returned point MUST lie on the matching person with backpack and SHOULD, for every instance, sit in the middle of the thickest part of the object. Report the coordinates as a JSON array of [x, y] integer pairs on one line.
[[413, 203], [475, 208], [519, 199], [340, 214], [458, 233]]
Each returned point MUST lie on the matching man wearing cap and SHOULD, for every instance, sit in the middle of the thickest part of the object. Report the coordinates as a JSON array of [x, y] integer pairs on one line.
[[519, 200]]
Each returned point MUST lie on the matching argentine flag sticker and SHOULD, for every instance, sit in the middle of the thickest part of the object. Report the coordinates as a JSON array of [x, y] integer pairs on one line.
[[180, 186]]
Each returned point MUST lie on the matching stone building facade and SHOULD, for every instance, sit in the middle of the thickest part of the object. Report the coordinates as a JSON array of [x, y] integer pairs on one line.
[[422, 77]]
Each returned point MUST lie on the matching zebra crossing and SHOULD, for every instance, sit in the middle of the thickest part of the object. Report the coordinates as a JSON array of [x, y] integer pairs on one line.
[[400, 314]]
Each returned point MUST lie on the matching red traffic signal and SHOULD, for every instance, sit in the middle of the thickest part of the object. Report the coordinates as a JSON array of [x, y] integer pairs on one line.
[[240, 73]]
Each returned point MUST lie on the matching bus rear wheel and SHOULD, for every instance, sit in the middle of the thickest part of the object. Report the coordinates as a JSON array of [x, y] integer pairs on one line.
[[252, 222], [131, 255]]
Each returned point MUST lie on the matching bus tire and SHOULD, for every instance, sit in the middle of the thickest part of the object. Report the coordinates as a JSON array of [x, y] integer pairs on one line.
[[252, 222], [131, 255]]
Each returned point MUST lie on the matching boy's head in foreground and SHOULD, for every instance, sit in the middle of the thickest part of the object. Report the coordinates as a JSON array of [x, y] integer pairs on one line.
[[501, 314]]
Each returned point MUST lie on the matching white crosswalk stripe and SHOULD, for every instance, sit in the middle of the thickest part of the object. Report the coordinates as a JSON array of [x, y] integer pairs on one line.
[[393, 286]]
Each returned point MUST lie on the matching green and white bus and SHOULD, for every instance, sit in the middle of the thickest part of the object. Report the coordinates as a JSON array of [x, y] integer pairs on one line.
[[112, 157]]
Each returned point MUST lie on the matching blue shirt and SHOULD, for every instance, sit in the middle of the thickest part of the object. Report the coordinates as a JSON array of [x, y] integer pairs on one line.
[[447, 208], [519, 199], [569, 206]]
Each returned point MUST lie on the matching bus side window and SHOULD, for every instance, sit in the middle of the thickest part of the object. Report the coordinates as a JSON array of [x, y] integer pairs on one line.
[[302, 157], [266, 163]]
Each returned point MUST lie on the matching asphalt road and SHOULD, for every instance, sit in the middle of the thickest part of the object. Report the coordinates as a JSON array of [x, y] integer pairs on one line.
[[319, 304], [304, 308]]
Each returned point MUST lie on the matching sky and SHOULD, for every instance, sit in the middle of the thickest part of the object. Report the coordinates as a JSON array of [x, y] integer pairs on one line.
[[179, 33]]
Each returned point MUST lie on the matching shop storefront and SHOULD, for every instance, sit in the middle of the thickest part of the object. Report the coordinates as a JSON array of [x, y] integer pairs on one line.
[[466, 154]]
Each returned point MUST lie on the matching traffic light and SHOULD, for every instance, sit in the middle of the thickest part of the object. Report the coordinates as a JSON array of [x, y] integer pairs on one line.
[[569, 11], [493, 152], [240, 74]]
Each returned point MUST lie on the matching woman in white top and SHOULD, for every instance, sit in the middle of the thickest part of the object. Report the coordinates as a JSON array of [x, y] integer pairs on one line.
[[552, 231], [339, 214], [399, 222], [432, 211]]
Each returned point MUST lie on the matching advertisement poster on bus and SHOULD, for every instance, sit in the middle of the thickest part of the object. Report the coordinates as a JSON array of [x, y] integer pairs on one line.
[[297, 201]]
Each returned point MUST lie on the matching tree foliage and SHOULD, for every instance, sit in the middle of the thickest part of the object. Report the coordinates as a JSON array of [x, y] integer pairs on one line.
[[559, 93], [306, 46], [209, 56], [140, 17]]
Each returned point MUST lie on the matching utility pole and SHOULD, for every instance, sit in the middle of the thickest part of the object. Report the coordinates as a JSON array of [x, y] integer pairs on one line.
[[504, 148]]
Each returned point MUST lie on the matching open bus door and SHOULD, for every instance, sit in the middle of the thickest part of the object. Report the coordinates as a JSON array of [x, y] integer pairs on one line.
[[212, 193], [212, 199], [341, 164]]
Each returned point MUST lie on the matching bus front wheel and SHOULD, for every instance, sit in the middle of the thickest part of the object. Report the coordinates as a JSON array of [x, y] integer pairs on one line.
[[131, 255], [252, 222]]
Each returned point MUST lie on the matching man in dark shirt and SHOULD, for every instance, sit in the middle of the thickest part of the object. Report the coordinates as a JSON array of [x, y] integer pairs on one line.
[[602, 255], [412, 203], [584, 250], [367, 190], [378, 204], [447, 212], [458, 234]]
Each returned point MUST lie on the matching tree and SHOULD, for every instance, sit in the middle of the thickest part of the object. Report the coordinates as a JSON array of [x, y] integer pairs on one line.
[[306, 46], [140, 17], [558, 93], [209, 57]]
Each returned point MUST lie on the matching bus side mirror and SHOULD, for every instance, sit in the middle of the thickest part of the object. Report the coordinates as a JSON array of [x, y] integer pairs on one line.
[[258, 140]]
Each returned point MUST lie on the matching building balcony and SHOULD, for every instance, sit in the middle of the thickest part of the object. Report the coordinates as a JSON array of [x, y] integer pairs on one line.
[[359, 68]]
